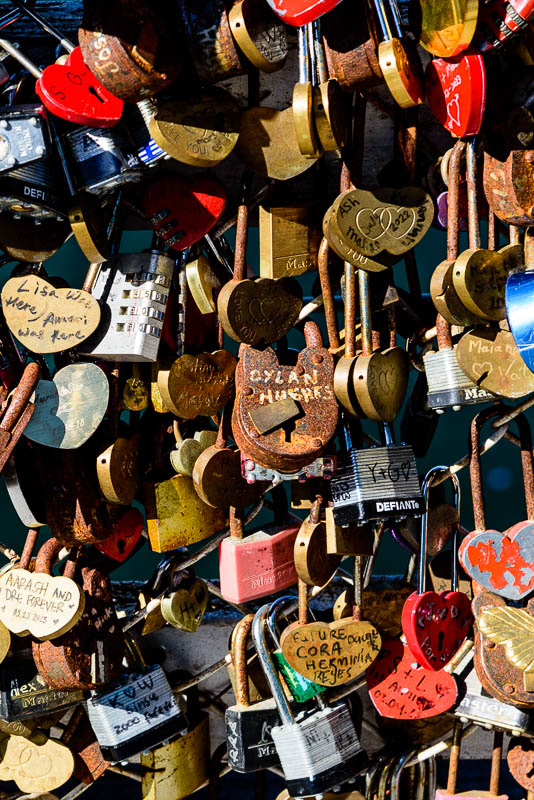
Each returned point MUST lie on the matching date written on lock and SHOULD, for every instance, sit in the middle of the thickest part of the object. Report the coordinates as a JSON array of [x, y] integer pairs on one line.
[[377, 483]]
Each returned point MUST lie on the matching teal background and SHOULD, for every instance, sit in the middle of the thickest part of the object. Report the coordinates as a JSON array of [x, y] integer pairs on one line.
[[502, 471]]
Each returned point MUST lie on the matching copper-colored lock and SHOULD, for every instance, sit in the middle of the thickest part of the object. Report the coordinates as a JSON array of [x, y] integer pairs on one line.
[[130, 46], [89, 654], [509, 186], [262, 382]]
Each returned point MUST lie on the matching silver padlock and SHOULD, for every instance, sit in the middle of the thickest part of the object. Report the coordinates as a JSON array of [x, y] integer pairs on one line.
[[318, 749], [134, 290], [376, 483]]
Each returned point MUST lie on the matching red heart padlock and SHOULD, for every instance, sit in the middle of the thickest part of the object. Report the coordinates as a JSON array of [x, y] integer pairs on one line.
[[436, 625], [402, 689], [456, 92], [182, 213], [125, 536], [72, 92], [300, 12]]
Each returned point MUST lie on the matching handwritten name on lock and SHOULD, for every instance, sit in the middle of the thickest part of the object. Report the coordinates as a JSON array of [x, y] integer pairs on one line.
[[334, 653], [143, 703], [45, 319], [42, 604], [302, 387]]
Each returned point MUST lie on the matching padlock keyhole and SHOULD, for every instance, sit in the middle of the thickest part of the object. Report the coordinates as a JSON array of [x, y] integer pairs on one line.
[[94, 91]]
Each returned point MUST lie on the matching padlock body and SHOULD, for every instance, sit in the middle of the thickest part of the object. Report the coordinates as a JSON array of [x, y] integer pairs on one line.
[[320, 751], [376, 483], [101, 159], [248, 733], [257, 565], [473, 794], [135, 714], [135, 288], [448, 385], [25, 694], [180, 767]]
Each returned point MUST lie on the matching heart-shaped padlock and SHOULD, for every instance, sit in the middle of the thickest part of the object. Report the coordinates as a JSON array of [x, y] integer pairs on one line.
[[456, 92], [72, 92], [435, 625]]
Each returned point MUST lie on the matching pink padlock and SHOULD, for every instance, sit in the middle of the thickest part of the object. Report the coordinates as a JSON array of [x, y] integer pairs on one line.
[[450, 792], [258, 564]]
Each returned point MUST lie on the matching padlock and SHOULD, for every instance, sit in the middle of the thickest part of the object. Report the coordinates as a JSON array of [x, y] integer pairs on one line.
[[351, 52], [500, 562], [248, 724], [135, 289], [269, 396], [302, 101], [498, 21], [257, 564], [289, 240], [301, 689], [131, 50], [259, 34], [70, 90], [79, 737], [98, 160], [137, 712], [313, 563], [172, 506], [24, 694], [333, 653], [451, 793], [518, 293], [319, 749], [436, 625], [90, 654], [179, 767], [24, 136], [256, 311], [375, 483], [478, 706]]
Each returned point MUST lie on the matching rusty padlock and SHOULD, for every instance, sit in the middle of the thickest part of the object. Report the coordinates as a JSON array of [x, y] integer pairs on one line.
[[90, 654], [270, 396], [16, 411], [131, 47]]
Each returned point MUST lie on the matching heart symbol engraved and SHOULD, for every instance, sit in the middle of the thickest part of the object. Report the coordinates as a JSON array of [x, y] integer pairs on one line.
[[21, 590], [400, 688], [380, 381], [72, 92], [45, 319], [503, 563], [185, 608], [332, 653], [183, 212], [198, 385], [260, 310], [35, 768], [453, 110], [436, 625], [69, 408], [456, 92], [390, 220]]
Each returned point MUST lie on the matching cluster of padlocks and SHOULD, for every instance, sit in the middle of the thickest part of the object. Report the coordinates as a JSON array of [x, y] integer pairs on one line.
[[163, 404]]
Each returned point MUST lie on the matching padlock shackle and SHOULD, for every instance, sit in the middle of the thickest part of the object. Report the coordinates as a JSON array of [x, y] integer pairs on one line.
[[238, 649], [475, 465], [426, 486], [365, 313], [350, 310], [268, 665], [326, 291], [472, 195], [66, 44], [453, 200], [27, 551], [443, 333], [241, 229], [272, 618], [236, 523], [47, 553], [25, 62]]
